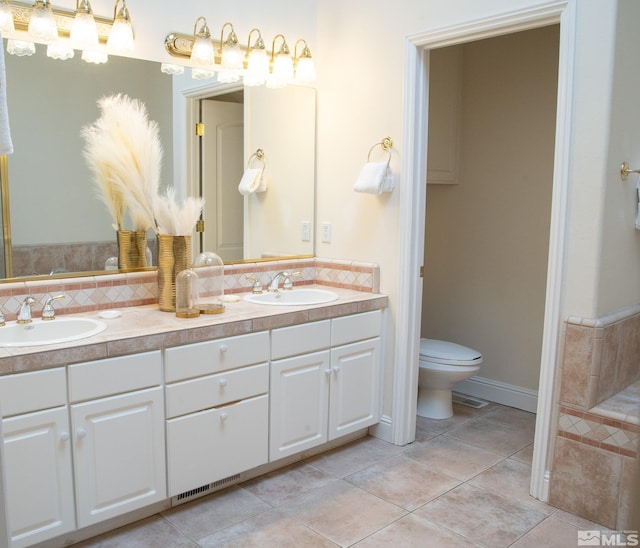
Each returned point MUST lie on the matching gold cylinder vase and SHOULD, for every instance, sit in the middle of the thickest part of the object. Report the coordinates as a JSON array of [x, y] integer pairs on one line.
[[132, 249], [174, 256]]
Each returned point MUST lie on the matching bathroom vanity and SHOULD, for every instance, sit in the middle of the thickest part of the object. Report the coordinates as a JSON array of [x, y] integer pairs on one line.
[[144, 417]]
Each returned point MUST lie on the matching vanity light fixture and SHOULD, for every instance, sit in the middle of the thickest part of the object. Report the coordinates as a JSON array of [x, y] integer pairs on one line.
[[60, 51], [202, 54], [230, 56], [42, 25], [20, 48], [6, 18], [121, 36], [281, 65], [257, 61], [171, 69], [305, 71]]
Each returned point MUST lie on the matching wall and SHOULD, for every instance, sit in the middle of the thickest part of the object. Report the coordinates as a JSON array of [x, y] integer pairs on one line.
[[486, 243]]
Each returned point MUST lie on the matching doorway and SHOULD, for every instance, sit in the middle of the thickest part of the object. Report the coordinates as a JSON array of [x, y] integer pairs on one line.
[[412, 214], [492, 113]]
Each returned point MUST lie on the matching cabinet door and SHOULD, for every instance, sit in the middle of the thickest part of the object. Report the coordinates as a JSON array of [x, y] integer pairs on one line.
[[119, 454], [299, 401], [214, 444], [39, 482], [355, 387]]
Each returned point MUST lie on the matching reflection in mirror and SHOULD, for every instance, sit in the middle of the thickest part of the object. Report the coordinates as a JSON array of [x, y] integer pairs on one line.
[[58, 224]]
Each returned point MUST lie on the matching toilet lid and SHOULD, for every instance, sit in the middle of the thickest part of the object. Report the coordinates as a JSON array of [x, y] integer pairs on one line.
[[448, 352]]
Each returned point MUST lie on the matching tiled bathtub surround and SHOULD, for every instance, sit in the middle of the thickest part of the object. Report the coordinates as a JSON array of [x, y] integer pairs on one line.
[[598, 427], [84, 294]]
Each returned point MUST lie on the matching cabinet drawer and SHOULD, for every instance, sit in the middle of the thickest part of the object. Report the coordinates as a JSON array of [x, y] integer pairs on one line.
[[215, 444], [26, 392], [300, 339], [194, 360], [354, 328], [213, 390], [101, 378]]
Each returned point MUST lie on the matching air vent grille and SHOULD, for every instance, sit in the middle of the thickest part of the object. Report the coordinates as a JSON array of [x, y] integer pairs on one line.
[[203, 490]]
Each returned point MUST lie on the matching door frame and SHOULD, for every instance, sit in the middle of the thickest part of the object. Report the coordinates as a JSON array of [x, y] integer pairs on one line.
[[413, 205]]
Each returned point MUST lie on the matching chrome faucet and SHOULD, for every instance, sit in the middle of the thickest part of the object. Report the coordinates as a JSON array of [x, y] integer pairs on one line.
[[48, 312], [24, 314], [286, 281]]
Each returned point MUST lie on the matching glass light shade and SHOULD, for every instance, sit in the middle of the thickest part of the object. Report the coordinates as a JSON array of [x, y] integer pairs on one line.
[[305, 70], [84, 33], [202, 52], [6, 19], [170, 68], [228, 76], [231, 57], [42, 25], [95, 57], [121, 37], [202, 74], [60, 51], [20, 47], [257, 68], [282, 72]]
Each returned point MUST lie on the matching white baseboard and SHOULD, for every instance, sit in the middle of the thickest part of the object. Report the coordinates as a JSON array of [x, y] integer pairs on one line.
[[382, 430], [499, 392]]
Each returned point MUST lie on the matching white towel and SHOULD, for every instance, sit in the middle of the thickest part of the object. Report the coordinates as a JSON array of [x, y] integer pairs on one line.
[[6, 145], [375, 178], [251, 181]]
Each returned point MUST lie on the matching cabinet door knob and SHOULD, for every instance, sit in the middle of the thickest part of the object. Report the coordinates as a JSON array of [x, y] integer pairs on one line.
[[64, 436], [336, 369], [328, 371], [224, 416], [82, 433], [223, 383], [223, 348]]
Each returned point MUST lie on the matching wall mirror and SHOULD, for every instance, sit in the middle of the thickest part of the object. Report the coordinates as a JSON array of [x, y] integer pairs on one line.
[[57, 222]]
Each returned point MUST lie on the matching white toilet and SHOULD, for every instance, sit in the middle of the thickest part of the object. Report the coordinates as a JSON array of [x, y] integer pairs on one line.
[[442, 365]]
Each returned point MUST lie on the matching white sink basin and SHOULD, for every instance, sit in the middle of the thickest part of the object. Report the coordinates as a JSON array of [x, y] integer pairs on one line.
[[294, 297], [56, 331]]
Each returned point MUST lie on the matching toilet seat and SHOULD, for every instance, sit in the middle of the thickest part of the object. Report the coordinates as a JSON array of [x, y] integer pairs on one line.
[[448, 353]]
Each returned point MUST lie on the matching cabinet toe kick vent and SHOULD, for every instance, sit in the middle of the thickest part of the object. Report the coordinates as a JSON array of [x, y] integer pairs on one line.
[[204, 490]]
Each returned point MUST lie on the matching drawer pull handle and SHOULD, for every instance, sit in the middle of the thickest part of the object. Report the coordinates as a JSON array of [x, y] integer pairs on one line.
[[224, 416], [223, 383], [223, 348], [82, 433], [64, 436]]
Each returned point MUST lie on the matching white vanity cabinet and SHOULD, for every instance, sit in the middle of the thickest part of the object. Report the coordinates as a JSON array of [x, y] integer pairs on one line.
[[37, 456], [117, 418], [324, 381], [217, 409]]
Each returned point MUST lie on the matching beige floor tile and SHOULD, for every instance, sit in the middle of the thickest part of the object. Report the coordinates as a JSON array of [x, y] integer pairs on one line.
[[205, 516], [428, 428], [494, 435], [403, 482], [452, 457], [342, 512], [414, 532], [512, 479], [355, 456], [482, 516], [147, 533], [551, 533], [524, 455], [282, 485], [271, 529], [512, 416]]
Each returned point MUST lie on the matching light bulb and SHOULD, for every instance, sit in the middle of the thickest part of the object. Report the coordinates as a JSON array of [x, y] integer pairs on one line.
[[6, 19], [282, 73], [257, 68], [42, 25], [121, 37], [84, 33], [305, 70]]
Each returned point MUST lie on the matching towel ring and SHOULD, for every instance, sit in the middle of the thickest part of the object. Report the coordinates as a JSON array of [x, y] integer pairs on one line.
[[259, 155], [386, 144]]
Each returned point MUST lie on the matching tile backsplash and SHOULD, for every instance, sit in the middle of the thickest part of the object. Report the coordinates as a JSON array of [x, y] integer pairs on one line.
[[84, 294]]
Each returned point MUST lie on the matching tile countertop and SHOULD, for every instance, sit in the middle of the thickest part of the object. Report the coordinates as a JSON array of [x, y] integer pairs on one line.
[[145, 328]]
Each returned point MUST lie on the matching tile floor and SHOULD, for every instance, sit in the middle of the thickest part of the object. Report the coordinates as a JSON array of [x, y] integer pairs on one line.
[[463, 483]]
